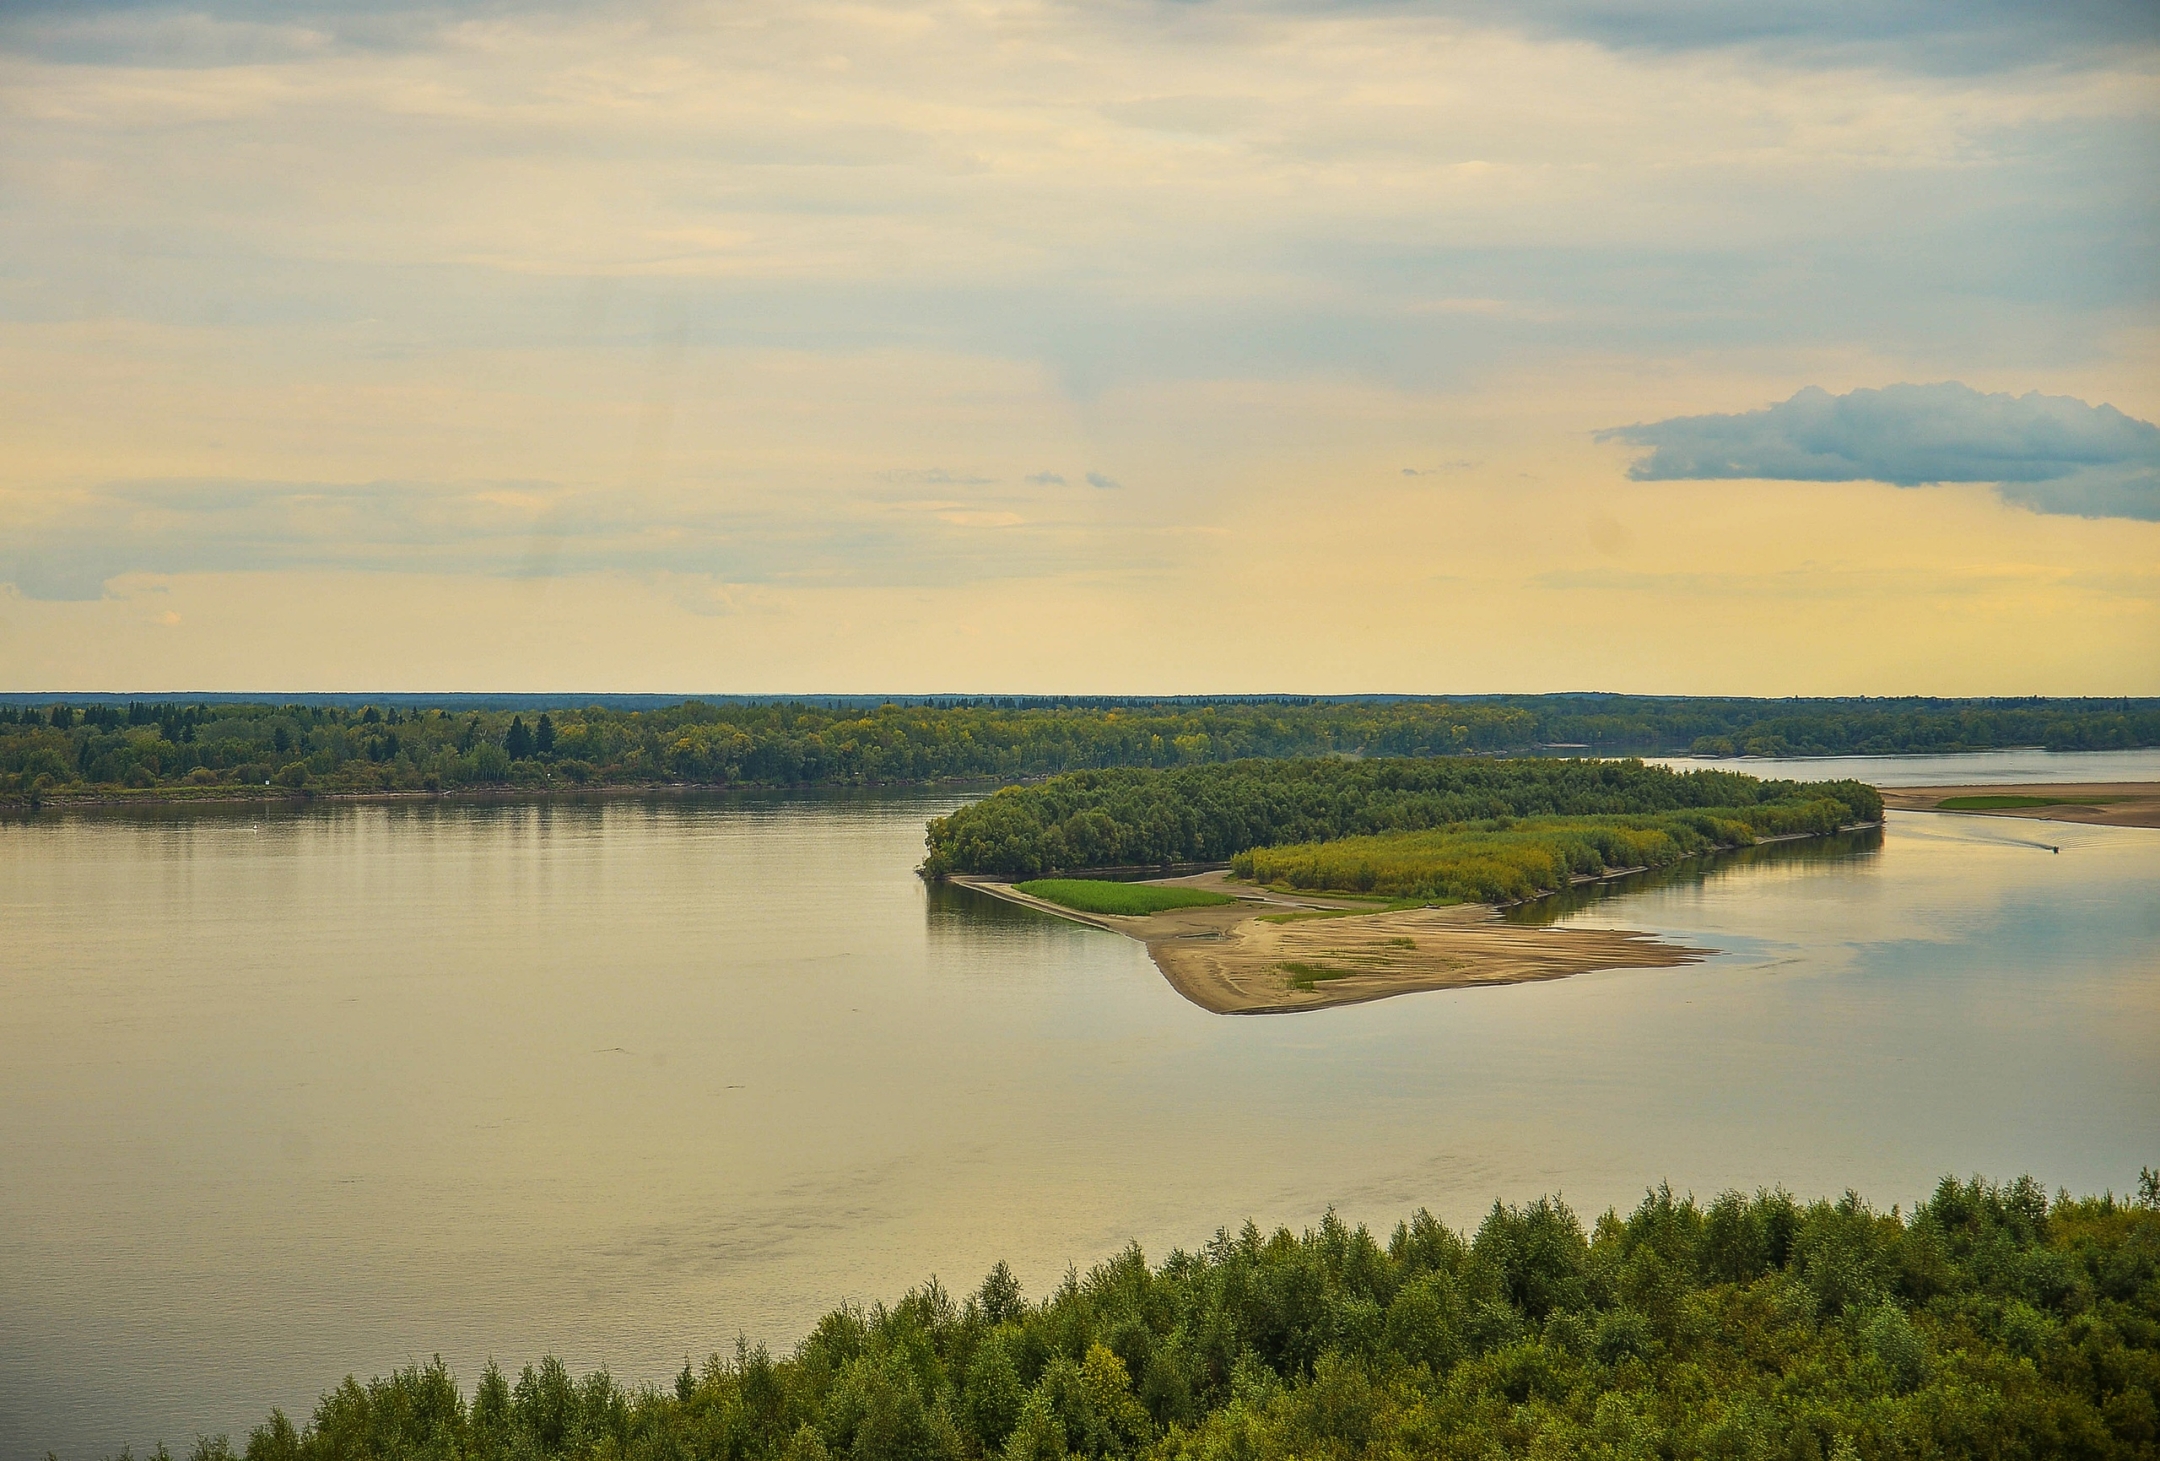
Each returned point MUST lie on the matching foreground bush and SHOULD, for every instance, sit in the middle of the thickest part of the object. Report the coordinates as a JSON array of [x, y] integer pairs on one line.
[[1988, 1322]]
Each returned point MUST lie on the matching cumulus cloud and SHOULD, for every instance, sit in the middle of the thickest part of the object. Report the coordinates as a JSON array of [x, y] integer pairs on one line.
[[1097, 479], [2053, 454]]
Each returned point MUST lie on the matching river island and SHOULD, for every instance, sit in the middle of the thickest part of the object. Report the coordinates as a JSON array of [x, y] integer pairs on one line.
[[1269, 886]]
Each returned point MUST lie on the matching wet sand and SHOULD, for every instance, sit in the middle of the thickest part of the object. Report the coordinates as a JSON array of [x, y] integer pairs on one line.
[[2101, 803], [1267, 953]]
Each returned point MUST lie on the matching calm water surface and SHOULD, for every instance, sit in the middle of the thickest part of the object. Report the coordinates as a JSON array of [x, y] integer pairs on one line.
[[1963, 768], [291, 1095]]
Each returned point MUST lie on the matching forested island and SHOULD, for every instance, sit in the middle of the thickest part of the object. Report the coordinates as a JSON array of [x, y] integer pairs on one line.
[[1323, 881], [1989, 1321], [148, 748], [1444, 827]]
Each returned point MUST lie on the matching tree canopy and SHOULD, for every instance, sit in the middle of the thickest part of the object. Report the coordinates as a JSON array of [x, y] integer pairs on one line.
[[1987, 1322], [1135, 816]]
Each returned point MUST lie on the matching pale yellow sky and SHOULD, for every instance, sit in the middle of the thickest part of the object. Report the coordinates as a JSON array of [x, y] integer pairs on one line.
[[1045, 348]]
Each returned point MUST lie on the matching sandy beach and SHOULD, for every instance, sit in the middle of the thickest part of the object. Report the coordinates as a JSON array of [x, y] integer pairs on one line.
[[2101, 803], [1272, 953]]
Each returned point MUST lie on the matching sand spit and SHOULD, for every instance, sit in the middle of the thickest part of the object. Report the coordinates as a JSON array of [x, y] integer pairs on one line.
[[2122, 804], [1268, 954]]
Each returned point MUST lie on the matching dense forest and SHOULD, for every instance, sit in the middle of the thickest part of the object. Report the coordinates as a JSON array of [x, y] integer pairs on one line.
[[148, 748], [1139, 817], [1987, 1322]]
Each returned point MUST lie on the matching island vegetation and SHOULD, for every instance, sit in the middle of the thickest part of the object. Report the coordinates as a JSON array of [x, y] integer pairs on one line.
[[1504, 860], [167, 748], [1199, 814], [1989, 1321]]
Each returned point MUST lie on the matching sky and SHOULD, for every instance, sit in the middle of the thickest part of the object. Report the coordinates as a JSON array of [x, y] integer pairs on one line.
[[1147, 346]]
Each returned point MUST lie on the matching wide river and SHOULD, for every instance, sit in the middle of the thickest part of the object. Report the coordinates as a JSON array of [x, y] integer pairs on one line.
[[288, 1095]]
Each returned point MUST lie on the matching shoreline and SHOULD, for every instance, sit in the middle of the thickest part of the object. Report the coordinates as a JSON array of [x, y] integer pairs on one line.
[[1237, 958], [2093, 803], [1231, 959], [240, 796]]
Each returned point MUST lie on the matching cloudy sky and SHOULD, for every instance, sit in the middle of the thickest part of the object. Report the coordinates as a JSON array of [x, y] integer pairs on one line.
[[1196, 345]]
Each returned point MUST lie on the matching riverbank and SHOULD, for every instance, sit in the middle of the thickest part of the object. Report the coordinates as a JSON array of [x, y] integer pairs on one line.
[[2098, 803], [294, 798], [1271, 952]]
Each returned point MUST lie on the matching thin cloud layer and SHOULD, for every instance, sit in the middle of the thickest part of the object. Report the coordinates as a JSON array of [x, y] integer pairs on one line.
[[2053, 454], [74, 550], [1932, 35], [863, 305]]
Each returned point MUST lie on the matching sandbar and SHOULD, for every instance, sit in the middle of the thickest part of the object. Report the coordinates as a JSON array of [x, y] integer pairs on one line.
[[1267, 953], [2100, 803]]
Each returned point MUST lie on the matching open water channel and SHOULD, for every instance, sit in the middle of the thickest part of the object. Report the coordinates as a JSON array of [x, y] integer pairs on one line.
[[290, 1094]]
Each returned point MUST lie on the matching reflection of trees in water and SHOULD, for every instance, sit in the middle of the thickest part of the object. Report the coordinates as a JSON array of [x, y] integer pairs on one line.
[[951, 906], [1809, 852]]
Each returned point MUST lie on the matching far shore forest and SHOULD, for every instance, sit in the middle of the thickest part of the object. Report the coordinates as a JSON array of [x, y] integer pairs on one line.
[[156, 749]]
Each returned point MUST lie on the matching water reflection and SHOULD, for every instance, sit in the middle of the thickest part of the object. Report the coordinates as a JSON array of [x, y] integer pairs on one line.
[[1695, 872], [957, 911], [1950, 768], [297, 1092]]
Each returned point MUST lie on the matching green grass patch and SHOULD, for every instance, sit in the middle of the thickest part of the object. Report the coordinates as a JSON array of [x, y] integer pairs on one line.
[[1305, 976], [2018, 803], [1123, 900]]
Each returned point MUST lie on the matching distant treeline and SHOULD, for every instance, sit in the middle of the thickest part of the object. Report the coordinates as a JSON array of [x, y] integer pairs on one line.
[[1988, 1322], [1138, 817], [1842, 727], [148, 745]]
